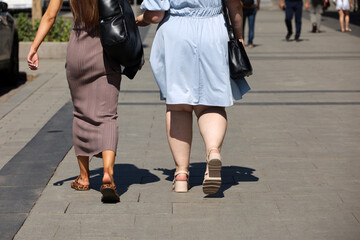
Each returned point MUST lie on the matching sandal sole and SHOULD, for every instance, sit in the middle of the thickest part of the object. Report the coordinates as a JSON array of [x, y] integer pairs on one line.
[[80, 189], [109, 196], [181, 186], [212, 182], [211, 186]]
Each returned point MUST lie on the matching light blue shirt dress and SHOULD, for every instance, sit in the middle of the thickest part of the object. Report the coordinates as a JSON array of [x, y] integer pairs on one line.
[[189, 55]]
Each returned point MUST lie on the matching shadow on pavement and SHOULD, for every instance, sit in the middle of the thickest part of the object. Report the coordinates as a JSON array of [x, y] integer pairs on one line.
[[125, 175], [231, 176], [6, 85]]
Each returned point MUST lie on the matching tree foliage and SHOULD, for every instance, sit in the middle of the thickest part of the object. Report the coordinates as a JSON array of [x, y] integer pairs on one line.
[[59, 32]]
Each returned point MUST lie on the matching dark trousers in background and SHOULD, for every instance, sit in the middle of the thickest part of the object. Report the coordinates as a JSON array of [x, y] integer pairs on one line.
[[291, 8], [250, 14]]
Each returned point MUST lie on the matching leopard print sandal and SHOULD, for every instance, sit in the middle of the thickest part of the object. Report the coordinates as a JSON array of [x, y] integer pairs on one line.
[[78, 186]]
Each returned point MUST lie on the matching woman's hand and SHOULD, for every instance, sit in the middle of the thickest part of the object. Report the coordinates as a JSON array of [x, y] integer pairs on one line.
[[281, 5], [140, 21], [142, 64], [307, 4], [149, 17], [242, 41], [33, 59]]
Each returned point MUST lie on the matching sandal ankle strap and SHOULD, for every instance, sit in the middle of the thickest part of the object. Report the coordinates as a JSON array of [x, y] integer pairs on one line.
[[181, 172], [213, 148]]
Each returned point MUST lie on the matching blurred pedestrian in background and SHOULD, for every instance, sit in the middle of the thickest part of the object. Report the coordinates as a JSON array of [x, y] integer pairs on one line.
[[291, 7], [316, 9], [189, 59], [250, 8], [343, 7]]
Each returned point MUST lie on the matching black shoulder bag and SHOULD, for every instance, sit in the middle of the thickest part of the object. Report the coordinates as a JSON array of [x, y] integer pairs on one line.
[[239, 63], [120, 36]]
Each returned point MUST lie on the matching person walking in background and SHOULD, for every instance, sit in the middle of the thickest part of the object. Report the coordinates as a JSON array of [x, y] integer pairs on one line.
[[250, 8], [316, 9], [343, 7], [291, 7], [94, 82], [189, 59]]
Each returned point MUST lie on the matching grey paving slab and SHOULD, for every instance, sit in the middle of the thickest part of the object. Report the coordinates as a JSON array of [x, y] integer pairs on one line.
[[23, 178], [11, 222], [126, 208], [18, 199], [290, 156], [329, 225], [47, 229], [15, 100], [144, 224], [37, 102]]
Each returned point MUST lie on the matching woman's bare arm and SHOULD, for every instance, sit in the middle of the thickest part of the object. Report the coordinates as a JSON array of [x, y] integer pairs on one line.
[[150, 17], [46, 23], [236, 17]]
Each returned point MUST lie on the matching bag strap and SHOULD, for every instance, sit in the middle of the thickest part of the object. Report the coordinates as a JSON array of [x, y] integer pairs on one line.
[[227, 21]]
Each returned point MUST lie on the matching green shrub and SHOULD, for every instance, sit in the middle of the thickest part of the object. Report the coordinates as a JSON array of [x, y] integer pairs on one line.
[[59, 32]]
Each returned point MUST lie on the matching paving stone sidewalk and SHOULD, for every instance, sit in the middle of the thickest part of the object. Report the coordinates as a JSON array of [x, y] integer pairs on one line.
[[291, 155]]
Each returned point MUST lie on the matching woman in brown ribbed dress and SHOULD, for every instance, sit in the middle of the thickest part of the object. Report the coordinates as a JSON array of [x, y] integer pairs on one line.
[[94, 83]]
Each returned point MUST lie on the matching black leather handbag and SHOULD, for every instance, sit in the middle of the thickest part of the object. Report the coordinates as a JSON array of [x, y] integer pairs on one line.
[[120, 36], [239, 63]]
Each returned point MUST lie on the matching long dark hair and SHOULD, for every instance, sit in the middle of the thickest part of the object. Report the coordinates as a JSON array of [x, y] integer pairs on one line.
[[85, 12]]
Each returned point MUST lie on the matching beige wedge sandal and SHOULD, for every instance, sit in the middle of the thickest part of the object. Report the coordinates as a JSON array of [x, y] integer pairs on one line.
[[212, 178], [181, 186]]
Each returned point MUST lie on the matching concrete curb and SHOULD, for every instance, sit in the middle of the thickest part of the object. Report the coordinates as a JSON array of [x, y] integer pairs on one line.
[[48, 50]]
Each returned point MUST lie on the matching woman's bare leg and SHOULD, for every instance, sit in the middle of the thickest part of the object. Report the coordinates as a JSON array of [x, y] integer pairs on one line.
[[83, 162], [109, 162], [347, 20], [179, 134], [212, 124], [341, 20]]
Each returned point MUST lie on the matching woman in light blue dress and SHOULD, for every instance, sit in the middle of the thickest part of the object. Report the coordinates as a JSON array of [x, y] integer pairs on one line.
[[189, 59]]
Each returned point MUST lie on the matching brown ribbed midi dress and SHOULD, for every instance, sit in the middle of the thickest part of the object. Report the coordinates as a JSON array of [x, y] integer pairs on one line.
[[94, 87]]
